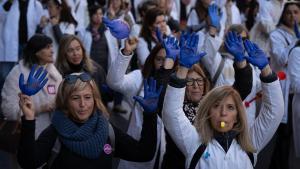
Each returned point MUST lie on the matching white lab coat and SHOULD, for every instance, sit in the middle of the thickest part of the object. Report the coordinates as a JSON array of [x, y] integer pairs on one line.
[[9, 35], [80, 12], [282, 40], [130, 85], [188, 139]]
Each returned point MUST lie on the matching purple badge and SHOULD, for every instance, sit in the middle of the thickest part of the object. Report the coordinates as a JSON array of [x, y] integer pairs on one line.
[[107, 149]]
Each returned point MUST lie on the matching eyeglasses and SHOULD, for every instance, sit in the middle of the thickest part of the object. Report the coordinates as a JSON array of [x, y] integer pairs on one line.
[[191, 82], [85, 77]]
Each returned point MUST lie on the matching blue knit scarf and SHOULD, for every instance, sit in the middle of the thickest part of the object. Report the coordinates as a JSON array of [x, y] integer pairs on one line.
[[86, 140]]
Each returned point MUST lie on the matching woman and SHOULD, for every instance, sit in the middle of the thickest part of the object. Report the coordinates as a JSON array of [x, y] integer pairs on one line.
[[197, 86], [131, 84], [72, 57], [282, 39], [220, 128], [81, 126], [38, 51], [153, 19], [60, 21]]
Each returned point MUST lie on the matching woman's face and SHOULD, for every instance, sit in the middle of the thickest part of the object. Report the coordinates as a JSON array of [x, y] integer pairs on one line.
[[195, 87], [74, 53], [291, 15], [159, 59], [53, 9], [97, 17], [81, 104], [223, 111], [45, 55], [160, 22]]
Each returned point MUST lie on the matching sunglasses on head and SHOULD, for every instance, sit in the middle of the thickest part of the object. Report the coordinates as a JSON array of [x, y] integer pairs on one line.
[[85, 77]]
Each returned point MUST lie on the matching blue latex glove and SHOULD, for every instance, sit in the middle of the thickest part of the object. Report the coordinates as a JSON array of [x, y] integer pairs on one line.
[[188, 50], [159, 35], [118, 28], [256, 56], [296, 30], [234, 45], [35, 82], [214, 16], [151, 96], [172, 47]]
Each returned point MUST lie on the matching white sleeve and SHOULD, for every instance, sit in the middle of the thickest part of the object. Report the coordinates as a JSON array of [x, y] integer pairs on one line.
[[10, 98], [127, 84], [294, 69], [177, 124], [142, 50], [279, 48], [270, 115], [265, 19]]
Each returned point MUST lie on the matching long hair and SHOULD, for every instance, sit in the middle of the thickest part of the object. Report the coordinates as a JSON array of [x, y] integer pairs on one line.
[[65, 90], [207, 84], [202, 120], [148, 22], [65, 13], [149, 63], [62, 64], [281, 20]]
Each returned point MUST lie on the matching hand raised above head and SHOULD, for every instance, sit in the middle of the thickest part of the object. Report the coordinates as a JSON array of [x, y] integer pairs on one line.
[[36, 81], [171, 46], [188, 50], [151, 96], [234, 45], [256, 56], [118, 28], [214, 16]]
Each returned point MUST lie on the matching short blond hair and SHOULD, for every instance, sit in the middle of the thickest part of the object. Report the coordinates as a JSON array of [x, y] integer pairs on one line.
[[65, 90], [202, 120]]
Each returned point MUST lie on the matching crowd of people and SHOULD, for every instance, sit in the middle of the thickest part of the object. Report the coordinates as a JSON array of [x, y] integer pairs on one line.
[[209, 83]]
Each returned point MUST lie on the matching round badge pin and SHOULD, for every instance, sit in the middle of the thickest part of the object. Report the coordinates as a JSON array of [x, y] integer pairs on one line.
[[107, 149]]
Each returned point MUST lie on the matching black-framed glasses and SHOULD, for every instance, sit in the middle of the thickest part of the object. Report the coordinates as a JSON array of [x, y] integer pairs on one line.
[[191, 82], [72, 78]]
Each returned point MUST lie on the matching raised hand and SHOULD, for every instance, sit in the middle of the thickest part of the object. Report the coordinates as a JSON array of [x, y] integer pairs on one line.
[[296, 30], [159, 35], [171, 46], [234, 45], [26, 105], [118, 28], [35, 82], [188, 50], [214, 16], [256, 56], [151, 96]]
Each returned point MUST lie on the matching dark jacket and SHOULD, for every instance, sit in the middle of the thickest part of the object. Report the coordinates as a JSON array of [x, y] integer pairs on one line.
[[33, 154]]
